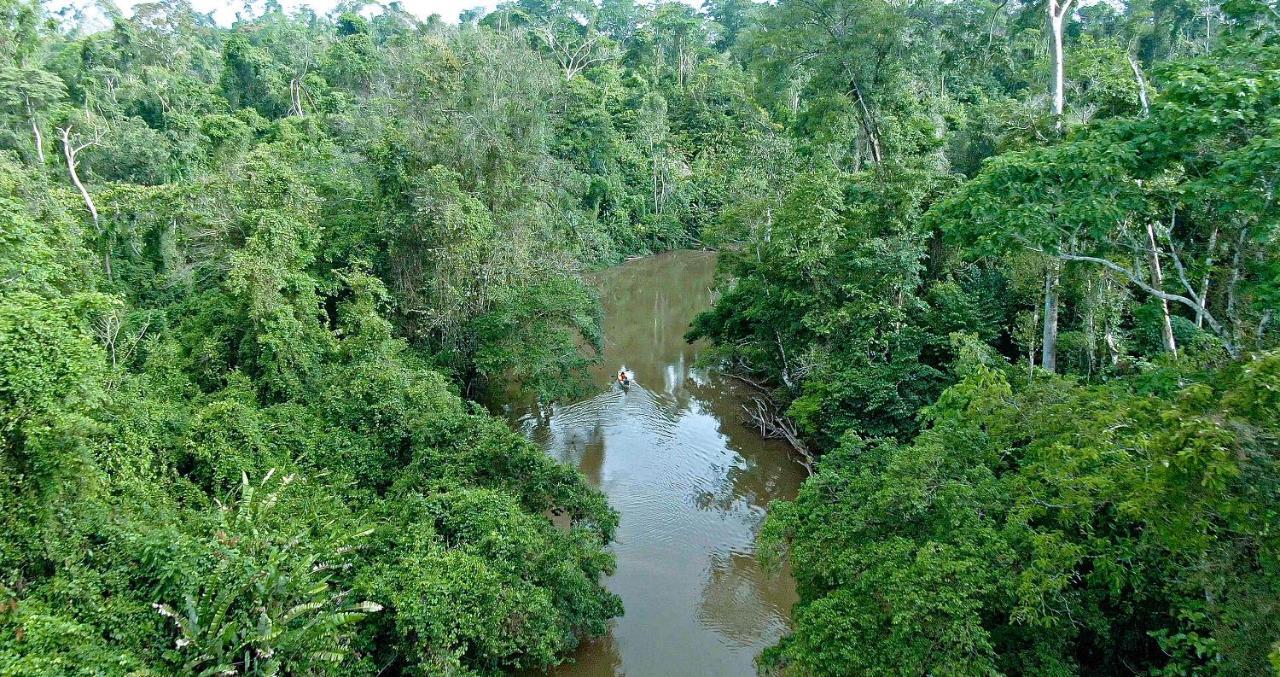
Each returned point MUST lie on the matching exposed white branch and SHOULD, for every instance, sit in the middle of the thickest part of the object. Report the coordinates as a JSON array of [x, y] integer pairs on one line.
[[1058, 13], [1142, 85], [574, 58], [1134, 278], [69, 151], [35, 130], [1186, 281], [1210, 250], [1157, 280], [773, 425]]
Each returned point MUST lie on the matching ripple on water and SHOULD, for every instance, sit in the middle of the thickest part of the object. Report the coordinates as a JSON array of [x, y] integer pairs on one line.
[[690, 482]]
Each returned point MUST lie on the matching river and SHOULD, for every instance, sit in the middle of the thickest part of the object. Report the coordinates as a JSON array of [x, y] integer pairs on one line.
[[690, 481]]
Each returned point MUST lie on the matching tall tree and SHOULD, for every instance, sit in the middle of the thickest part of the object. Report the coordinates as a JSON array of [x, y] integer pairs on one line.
[[28, 93], [1059, 11]]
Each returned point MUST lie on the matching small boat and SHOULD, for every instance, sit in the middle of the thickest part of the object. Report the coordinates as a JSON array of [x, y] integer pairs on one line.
[[626, 377]]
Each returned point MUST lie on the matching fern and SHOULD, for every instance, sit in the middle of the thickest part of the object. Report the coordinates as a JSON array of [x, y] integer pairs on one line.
[[267, 605]]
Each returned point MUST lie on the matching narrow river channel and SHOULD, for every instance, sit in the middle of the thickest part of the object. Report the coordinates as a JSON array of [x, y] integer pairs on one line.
[[690, 481]]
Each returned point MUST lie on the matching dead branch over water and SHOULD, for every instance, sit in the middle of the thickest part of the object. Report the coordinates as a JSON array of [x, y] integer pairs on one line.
[[763, 414]]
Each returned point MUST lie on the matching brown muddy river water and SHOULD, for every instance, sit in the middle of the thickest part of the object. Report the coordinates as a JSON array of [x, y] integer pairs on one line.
[[690, 481]]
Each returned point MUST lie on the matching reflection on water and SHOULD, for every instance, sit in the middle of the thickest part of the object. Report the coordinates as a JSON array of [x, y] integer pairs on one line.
[[690, 482]]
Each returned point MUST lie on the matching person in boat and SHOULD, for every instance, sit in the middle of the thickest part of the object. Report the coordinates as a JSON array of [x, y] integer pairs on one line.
[[623, 377]]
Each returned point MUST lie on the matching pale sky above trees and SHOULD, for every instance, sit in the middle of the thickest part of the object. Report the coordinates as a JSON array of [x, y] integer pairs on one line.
[[225, 11]]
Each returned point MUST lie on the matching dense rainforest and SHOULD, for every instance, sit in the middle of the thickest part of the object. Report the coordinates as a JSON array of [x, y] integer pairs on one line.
[[1005, 272]]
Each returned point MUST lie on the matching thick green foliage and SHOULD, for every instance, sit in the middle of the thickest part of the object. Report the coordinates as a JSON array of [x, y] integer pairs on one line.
[[973, 514], [246, 272], [253, 522], [1046, 527], [219, 453], [831, 304]]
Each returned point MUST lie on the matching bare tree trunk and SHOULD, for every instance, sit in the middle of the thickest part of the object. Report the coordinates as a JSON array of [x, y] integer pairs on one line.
[[1031, 350], [1142, 85], [868, 124], [1229, 339], [1233, 314], [1157, 281], [1208, 29], [35, 131], [69, 151], [1204, 282], [1091, 327], [657, 208], [1108, 325], [1049, 342], [1057, 15], [680, 66], [1133, 276], [295, 97], [1113, 344], [786, 366]]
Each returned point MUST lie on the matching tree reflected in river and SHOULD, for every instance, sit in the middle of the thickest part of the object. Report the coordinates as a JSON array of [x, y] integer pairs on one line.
[[690, 481]]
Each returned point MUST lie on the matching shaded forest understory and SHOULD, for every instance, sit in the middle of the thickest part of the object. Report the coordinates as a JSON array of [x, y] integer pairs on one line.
[[1008, 270]]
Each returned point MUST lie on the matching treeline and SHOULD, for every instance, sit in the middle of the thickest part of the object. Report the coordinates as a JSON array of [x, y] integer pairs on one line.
[[1010, 273]]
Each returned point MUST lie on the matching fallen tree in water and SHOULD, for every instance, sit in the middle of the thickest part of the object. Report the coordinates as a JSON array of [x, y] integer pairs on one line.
[[763, 414]]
